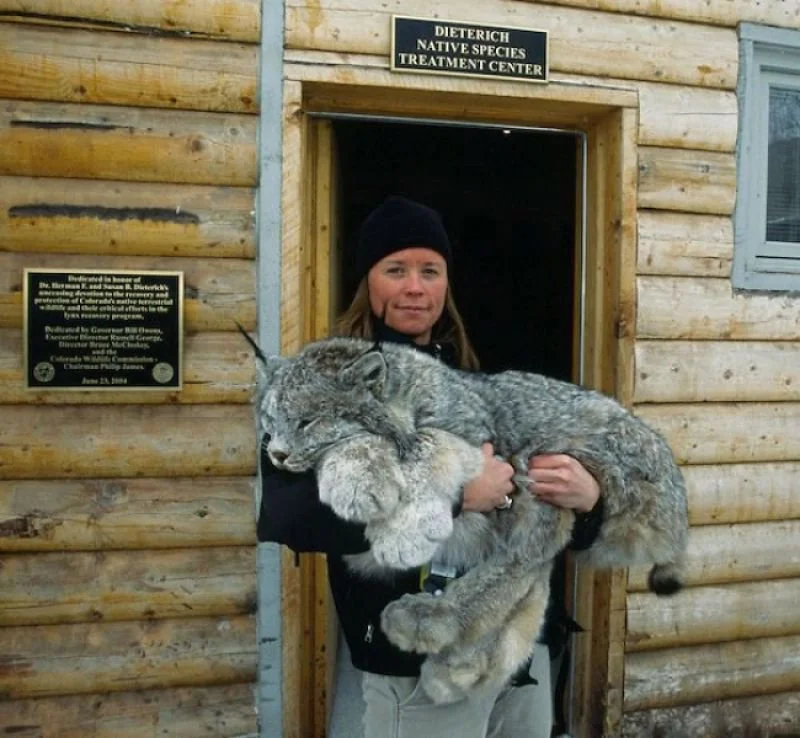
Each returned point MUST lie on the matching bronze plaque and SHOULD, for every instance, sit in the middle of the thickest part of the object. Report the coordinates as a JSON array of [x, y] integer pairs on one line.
[[98, 330]]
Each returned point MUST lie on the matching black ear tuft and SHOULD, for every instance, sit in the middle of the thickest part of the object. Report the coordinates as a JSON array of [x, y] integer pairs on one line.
[[256, 348], [267, 366]]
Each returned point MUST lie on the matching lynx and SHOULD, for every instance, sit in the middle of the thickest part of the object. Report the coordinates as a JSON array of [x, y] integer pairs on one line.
[[393, 435]]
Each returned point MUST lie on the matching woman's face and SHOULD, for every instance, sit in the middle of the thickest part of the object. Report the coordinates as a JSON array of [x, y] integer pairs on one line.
[[408, 290]]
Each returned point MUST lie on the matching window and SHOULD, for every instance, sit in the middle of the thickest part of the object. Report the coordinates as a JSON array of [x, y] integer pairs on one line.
[[767, 217]]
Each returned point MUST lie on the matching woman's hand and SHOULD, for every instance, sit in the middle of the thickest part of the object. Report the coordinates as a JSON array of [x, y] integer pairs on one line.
[[488, 490], [563, 481]]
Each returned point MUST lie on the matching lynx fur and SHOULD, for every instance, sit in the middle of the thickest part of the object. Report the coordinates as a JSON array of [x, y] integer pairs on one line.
[[394, 434]]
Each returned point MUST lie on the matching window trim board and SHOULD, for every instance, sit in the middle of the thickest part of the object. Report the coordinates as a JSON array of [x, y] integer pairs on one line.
[[758, 264]]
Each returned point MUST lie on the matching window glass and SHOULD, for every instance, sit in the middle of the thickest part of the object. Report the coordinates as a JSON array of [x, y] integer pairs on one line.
[[783, 166]]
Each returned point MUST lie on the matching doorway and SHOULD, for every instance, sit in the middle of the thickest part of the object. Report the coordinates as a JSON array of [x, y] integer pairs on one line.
[[511, 201], [313, 249]]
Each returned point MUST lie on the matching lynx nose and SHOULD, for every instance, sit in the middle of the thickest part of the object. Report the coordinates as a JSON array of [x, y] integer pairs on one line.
[[278, 457]]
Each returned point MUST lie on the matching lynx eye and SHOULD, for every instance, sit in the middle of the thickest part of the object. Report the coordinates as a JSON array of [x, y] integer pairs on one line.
[[304, 423]]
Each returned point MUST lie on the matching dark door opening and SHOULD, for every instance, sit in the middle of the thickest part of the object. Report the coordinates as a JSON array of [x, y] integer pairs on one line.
[[508, 198]]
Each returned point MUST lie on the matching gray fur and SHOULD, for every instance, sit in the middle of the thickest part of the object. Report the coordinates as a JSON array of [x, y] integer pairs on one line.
[[394, 434]]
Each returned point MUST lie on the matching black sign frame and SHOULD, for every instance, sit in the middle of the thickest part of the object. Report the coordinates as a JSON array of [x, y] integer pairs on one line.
[[466, 49], [103, 329]]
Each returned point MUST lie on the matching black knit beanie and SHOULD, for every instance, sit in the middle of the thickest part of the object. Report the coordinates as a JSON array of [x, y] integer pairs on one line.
[[399, 223]]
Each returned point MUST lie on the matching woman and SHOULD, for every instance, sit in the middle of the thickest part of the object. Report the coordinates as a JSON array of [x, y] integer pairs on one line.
[[403, 259]]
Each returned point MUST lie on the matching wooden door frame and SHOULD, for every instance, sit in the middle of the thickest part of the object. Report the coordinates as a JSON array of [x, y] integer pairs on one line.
[[609, 118]]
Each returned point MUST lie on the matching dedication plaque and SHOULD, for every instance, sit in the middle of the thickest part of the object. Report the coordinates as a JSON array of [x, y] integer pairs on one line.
[[94, 329]]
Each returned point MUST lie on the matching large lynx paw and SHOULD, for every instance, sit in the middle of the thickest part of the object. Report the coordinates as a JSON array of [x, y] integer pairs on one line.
[[360, 480], [460, 670], [410, 537], [446, 682], [399, 549], [421, 623]]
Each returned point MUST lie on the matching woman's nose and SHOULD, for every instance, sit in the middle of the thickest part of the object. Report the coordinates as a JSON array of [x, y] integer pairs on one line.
[[413, 282]]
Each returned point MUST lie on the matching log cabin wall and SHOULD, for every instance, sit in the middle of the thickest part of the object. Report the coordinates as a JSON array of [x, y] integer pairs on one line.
[[716, 372], [127, 534]]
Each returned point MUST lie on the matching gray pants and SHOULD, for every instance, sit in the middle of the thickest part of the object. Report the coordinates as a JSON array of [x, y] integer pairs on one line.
[[397, 707]]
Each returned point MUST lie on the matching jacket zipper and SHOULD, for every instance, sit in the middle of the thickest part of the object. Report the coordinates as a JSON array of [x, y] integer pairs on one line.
[[368, 634]]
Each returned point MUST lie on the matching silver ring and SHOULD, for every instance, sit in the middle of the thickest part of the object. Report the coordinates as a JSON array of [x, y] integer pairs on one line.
[[505, 504]]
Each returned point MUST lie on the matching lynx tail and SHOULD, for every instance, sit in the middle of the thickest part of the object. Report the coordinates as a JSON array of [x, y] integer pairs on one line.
[[665, 579]]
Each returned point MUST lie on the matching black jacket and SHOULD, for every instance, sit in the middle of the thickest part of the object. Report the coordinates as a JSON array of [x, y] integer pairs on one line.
[[292, 514]]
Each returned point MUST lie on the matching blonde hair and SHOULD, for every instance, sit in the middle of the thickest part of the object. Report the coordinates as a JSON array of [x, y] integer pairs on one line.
[[356, 321]]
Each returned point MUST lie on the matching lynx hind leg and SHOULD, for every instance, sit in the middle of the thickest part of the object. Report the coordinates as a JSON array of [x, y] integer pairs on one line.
[[464, 669], [361, 478], [410, 536], [652, 528]]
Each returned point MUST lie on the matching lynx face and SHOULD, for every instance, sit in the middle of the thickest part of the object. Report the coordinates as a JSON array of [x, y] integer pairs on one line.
[[309, 406], [302, 425]]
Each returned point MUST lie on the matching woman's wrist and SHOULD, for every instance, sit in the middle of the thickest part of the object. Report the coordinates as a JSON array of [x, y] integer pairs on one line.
[[589, 500]]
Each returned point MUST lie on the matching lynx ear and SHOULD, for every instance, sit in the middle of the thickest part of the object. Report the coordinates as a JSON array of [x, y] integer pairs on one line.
[[368, 370]]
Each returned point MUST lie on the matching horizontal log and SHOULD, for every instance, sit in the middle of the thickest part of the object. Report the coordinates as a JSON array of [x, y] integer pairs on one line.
[[581, 41], [727, 612], [210, 712], [717, 12], [680, 244], [723, 554], [715, 433], [76, 66], [104, 514], [52, 660], [669, 115], [126, 218], [709, 309], [237, 20], [45, 139], [217, 292], [218, 368], [683, 117], [421, 95], [771, 714], [688, 181], [38, 442], [680, 676], [338, 71], [52, 588], [742, 493], [717, 371]]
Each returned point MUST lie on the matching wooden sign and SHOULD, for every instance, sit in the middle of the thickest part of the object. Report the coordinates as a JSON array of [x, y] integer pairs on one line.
[[455, 47], [96, 330]]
